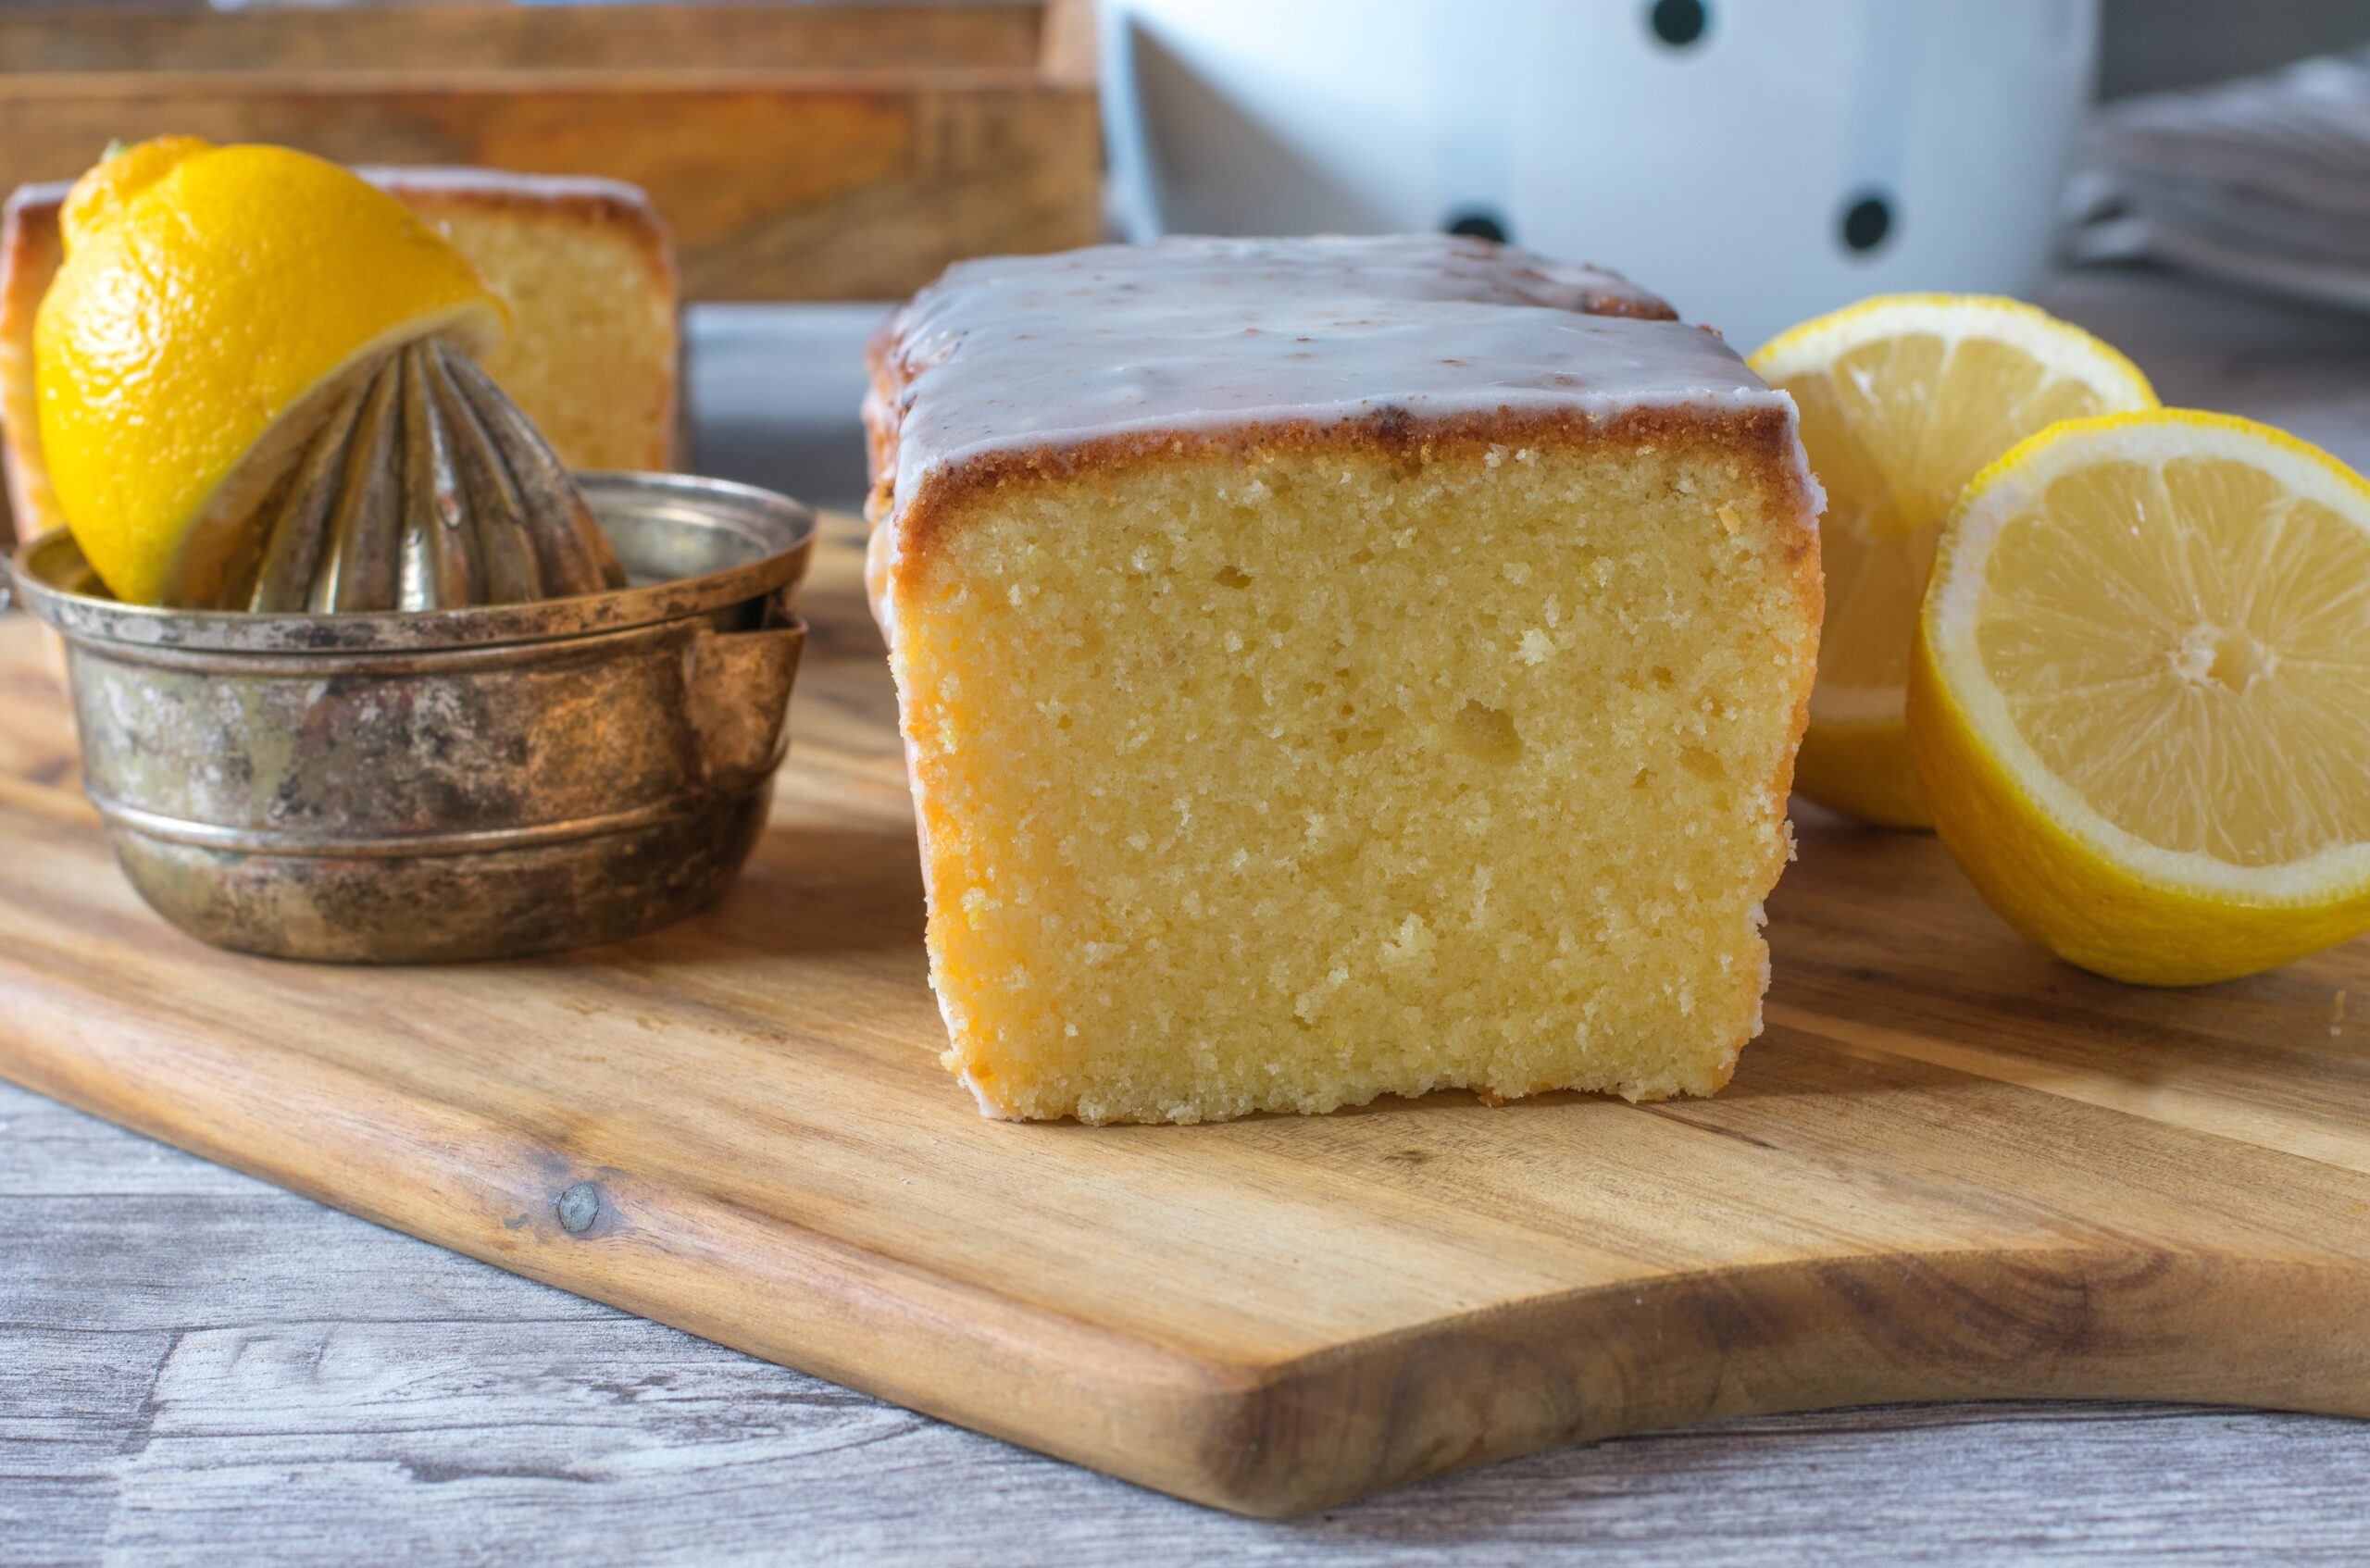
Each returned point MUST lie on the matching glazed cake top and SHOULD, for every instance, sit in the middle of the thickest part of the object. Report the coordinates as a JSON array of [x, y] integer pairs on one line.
[[1013, 352]]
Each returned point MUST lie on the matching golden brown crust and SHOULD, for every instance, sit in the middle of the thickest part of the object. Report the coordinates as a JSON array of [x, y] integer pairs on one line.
[[1761, 439]]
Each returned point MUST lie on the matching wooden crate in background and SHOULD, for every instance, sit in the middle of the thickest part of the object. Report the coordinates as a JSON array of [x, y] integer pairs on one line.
[[798, 150]]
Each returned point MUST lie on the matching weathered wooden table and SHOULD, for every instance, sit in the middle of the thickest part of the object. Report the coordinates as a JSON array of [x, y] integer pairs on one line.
[[196, 1366]]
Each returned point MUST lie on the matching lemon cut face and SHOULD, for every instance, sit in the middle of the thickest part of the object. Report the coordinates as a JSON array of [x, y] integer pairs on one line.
[[2140, 704], [1903, 399]]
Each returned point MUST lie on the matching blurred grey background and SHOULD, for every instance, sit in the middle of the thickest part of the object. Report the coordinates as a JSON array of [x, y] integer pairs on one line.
[[2146, 46]]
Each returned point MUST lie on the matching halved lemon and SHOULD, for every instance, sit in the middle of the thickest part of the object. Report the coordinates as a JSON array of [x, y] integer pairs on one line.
[[2140, 699], [1903, 399]]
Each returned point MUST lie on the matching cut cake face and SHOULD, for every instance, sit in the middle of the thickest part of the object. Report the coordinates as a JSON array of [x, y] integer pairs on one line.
[[1336, 667]]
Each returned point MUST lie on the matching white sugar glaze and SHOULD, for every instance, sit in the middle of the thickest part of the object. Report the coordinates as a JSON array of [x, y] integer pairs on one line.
[[1013, 353], [466, 179]]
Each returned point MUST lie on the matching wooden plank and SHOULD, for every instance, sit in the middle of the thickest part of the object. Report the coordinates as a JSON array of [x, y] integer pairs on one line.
[[437, 39], [799, 152], [263, 1381], [1952, 1167], [773, 189]]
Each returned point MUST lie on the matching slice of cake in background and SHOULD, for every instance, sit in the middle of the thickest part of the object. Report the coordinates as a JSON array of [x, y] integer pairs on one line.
[[1336, 667], [585, 267]]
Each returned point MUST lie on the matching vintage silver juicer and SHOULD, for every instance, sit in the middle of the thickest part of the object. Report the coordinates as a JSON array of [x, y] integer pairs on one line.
[[451, 704]]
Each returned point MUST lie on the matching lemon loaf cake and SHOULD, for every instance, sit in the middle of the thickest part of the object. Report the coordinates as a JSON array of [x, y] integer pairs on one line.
[[1336, 667], [585, 267]]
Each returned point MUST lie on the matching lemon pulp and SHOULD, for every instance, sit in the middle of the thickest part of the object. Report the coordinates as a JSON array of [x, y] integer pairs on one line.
[[1902, 400], [2142, 702], [2202, 676]]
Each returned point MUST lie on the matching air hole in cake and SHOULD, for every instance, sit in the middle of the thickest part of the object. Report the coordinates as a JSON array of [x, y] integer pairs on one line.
[[1232, 577], [1354, 740], [1486, 732], [1702, 764]]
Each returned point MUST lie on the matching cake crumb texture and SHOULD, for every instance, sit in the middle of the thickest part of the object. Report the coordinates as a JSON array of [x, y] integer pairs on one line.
[[1279, 773]]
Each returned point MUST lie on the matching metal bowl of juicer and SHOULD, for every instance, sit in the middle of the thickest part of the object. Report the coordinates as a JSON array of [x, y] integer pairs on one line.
[[477, 782]]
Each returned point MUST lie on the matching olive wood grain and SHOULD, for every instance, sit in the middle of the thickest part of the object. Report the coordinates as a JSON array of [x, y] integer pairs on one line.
[[1952, 1167]]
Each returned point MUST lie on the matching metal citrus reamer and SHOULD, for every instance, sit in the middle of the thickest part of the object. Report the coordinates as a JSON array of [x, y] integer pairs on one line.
[[448, 701], [424, 489]]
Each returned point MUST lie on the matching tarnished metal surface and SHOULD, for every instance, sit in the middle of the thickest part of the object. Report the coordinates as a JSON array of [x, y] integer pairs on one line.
[[424, 489], [454, 784], [689, 545]]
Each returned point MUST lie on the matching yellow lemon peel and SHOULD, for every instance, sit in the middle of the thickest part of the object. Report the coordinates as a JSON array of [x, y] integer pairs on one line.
[[207, 294]]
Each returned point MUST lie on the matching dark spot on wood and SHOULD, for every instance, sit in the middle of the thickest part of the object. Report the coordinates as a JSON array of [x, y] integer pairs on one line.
[[579, 1207], [1411, 1156]]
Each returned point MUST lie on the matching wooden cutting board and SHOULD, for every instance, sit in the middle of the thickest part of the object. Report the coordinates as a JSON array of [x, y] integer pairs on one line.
[[1952, 1167]]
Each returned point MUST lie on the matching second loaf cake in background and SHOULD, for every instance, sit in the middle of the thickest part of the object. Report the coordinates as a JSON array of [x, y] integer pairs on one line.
[[585, 267], [1336, 667]]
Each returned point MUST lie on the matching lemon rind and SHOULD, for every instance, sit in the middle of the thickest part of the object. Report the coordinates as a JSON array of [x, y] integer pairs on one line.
[[1958, 317]]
